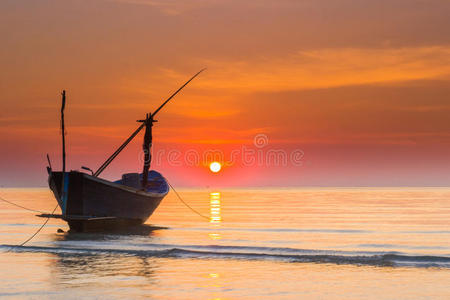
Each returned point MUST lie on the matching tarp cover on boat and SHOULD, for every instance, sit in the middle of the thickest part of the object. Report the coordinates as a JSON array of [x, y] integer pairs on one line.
[[156, 182]]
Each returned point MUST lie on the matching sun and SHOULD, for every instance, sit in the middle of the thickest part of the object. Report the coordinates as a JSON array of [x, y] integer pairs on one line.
[[215, 166]]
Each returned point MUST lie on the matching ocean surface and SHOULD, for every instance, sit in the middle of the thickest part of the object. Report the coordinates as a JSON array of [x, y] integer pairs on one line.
[[306, 243]]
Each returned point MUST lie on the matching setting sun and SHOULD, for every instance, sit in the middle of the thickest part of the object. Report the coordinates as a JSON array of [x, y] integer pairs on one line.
[[215, 167]]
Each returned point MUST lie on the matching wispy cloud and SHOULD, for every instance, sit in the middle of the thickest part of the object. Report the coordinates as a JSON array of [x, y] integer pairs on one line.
[[169, 7], [427, 108], [208, 114], [324, 68]]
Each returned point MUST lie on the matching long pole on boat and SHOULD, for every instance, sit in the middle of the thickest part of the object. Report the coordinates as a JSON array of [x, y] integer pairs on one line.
[[63, 133], [173, 95], [111, 158], [63, 105]]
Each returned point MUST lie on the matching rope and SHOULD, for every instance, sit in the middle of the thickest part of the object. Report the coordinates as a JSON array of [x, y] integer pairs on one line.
[[34, 234], [40, 228], [26, 208], [33, 210], [187, 205]]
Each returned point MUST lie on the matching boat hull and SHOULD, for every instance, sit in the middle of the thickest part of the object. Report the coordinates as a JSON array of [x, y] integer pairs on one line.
[[92, 203]]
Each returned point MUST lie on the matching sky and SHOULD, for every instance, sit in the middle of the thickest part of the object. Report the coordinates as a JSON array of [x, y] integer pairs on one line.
[[296, 93]]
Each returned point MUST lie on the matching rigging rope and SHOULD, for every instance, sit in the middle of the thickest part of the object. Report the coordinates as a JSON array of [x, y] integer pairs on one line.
[[187, 205]]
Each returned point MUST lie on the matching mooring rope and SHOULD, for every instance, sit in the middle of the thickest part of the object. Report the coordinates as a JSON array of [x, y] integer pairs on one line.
[[33, 210], [187, 205], [26, 208], [40, 228], [34, 234]]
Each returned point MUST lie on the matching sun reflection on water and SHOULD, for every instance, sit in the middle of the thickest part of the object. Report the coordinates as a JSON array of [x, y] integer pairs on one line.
[[214, 202], [215, 222], [215, 214]]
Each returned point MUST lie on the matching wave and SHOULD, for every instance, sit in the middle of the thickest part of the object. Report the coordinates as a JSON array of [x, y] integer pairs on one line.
[[286, 255], [282, 230], [310, 230]]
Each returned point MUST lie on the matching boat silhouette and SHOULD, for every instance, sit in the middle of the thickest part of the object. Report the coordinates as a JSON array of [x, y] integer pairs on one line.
[[90, 203]]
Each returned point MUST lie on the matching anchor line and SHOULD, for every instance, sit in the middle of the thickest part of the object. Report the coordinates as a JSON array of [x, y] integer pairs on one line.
[[26, 208], [187, 205]]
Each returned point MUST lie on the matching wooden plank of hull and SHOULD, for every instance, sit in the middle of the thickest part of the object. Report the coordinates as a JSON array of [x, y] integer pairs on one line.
[[96, 198]]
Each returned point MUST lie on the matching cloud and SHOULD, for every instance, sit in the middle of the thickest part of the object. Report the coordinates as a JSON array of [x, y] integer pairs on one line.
[[427, 108], [208, 114], [169, 7], [325, 68]]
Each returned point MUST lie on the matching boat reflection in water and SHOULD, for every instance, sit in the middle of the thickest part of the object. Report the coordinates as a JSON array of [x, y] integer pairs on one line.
[[215, 213], [70, 268], [90, 257]]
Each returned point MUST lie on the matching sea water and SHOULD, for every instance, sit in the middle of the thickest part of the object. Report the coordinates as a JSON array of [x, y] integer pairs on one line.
[[303, 243]]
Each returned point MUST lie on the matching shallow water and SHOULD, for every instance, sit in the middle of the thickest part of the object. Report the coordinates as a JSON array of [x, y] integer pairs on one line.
[[267, 243]]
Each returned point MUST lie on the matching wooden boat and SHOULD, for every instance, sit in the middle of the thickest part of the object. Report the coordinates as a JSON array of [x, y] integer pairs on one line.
[[88, 202], [93, 203]]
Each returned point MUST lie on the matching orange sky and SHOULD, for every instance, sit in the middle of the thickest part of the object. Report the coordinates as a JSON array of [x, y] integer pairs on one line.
[[360, 87]]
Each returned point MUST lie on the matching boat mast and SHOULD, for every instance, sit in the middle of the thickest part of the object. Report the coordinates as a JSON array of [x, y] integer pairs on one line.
[[147, 147], [63, 133], [111, 158], [63, 105]]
